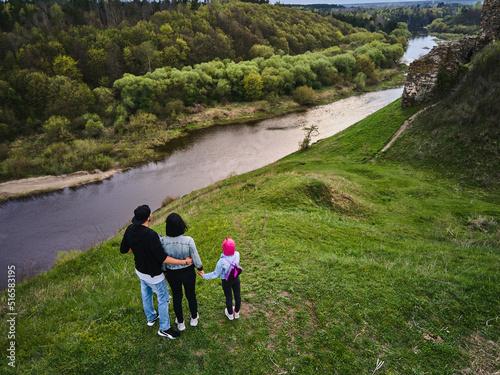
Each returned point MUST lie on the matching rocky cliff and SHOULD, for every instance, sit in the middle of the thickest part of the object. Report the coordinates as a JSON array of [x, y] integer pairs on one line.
[[439, 68]]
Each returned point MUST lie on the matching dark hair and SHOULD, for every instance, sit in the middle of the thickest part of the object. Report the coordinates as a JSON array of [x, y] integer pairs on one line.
[[175, 226]]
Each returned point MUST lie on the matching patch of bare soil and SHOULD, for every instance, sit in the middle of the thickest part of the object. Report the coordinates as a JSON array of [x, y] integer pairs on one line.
[[485, 356], [35, 185]]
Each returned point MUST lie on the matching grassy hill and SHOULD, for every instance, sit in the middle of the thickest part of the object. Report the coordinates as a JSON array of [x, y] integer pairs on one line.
[[350, 259]]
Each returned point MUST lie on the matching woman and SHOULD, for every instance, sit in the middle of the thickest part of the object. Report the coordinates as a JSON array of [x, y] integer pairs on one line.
[[176, 244]]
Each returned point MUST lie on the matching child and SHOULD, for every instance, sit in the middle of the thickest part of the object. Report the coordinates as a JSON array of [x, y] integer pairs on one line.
[[229, 254]]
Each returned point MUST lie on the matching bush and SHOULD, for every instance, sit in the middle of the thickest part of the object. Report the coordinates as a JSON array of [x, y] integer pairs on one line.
[[360, 80], [101, 162], [16, 167], [94, 128], [306, 142], [141, 122], [174, 108], [304, 95], [4, 151], [57, 128]]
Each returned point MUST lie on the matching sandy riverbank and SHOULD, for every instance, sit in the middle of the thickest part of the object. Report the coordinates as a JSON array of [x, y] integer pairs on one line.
[[37, 185]]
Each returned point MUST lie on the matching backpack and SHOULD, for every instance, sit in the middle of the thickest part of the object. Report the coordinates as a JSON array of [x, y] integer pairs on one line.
[[233, 271]]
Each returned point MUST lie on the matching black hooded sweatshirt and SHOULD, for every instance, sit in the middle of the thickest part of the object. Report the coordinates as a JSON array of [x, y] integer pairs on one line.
[[146, 246]]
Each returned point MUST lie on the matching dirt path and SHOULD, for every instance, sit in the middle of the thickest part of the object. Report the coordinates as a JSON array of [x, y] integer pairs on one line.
[[35, 185], [403, 127]]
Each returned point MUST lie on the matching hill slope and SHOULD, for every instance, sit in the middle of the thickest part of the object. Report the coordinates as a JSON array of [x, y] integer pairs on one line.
[[349, 260], [459, 137]]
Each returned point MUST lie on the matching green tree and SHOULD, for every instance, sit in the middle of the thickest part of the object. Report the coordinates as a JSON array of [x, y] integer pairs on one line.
[[142, 58], [365, 65], [176, 55], [344, 63], [304, 95], [9, 123], [302, 72], [68, 98], [94, 128], [96, 66], [222, 89], [57, 16], [136, 92], [253, 85], [104, 101], [36, 92], [66, 66], [56, 128], [259, 50], [236, 72], [273, 81]]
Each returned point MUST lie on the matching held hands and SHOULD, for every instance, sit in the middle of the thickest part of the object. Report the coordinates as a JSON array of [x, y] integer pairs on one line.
[[201, 273]]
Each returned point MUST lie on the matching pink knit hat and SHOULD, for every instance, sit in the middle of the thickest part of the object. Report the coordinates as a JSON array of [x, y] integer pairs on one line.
[[228, 246]]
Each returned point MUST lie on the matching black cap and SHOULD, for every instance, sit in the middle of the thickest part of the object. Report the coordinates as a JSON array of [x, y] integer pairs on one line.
[[142, 214]]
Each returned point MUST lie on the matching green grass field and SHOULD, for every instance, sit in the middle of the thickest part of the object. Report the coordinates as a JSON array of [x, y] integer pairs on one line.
[[350, 259]]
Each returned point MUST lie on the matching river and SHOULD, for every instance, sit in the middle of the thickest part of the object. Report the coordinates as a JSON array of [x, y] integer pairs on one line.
[[35, 229]]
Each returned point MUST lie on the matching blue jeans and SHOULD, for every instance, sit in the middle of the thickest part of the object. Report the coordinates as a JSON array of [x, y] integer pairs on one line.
[[161, 291]]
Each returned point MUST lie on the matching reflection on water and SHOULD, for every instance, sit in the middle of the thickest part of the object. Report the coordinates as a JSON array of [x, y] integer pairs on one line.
[[419, 46], [34, 230]]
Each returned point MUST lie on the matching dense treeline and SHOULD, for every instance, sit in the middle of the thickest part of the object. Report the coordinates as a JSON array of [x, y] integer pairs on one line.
[[386, 18], [75, 72], [465, 21]]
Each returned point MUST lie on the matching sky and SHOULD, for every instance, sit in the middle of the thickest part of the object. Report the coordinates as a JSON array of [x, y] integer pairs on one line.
[[343, 2]]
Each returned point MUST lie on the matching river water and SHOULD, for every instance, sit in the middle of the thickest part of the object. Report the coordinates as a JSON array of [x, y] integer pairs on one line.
[[35, 229]]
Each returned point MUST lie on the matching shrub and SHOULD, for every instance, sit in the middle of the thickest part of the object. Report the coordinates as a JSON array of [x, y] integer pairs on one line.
[[17, 167], [141, 122], [57, 128], [100, 161], [4, 151], [174, 108], [304, 95], [120, 124], [57, 151], [94, 128], [168, 200], [310, 131], [360, 80]]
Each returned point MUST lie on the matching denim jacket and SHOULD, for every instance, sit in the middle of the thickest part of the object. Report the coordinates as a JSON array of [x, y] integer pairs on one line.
[[180, 247], [222, 266]]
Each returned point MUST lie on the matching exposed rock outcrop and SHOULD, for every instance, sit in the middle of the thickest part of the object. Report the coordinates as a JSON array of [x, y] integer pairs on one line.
[[428, 74], [490, 20]]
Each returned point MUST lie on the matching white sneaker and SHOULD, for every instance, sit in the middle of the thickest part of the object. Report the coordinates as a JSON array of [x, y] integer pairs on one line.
[[236, 314], [194, 322], [180, 326], [152, 323], [229, 316]]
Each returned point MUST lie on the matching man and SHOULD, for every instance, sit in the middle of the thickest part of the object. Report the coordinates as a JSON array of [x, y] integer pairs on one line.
[[149, 256]]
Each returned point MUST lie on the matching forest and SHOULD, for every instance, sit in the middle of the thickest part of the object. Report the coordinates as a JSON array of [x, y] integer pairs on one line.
[[80, 81], [458, 18]]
